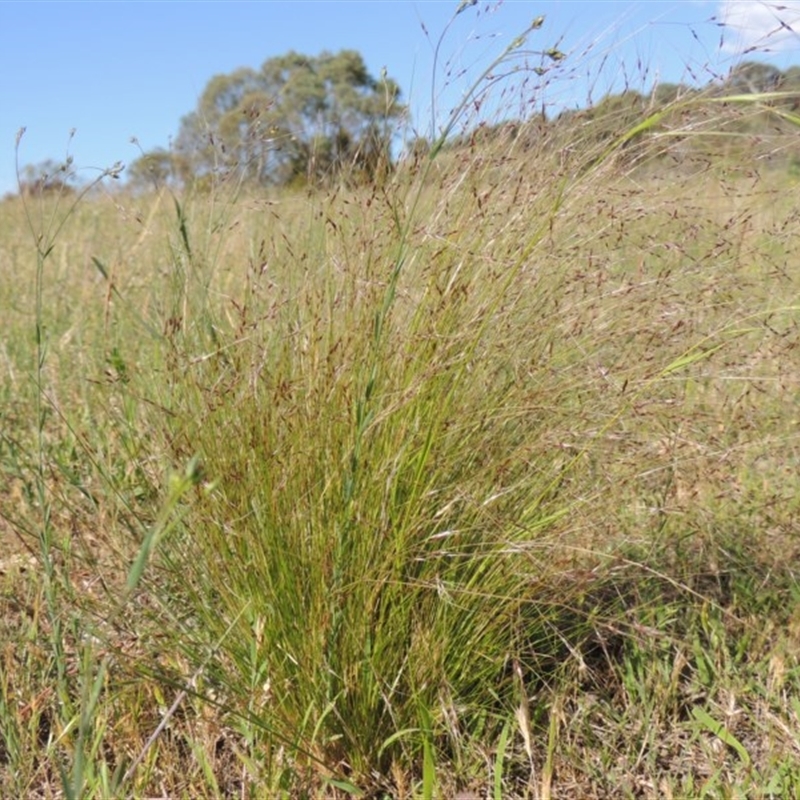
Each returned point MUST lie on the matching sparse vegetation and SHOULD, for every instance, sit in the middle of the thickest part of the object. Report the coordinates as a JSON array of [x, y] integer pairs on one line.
[[478, 481]]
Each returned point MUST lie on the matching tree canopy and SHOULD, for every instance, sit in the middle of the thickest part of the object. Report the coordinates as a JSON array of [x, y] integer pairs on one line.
[[308, 118], [297, 117]]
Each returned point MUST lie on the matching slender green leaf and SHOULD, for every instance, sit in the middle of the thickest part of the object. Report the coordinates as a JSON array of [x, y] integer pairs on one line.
[[721, 732]]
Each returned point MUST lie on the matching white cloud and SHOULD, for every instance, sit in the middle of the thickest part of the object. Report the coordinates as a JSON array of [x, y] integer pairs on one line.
[[753, 25]]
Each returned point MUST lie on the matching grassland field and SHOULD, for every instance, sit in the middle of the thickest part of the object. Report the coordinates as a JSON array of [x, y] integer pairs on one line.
[[480, 482]]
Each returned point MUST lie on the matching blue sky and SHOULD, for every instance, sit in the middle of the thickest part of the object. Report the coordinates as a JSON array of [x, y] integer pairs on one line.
[[115, 70]]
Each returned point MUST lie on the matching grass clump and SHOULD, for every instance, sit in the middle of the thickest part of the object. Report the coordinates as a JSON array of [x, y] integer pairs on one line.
[[372, 538], [480, 481]]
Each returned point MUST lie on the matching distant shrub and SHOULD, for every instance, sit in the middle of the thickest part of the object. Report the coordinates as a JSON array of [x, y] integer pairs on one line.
[[47, 177]]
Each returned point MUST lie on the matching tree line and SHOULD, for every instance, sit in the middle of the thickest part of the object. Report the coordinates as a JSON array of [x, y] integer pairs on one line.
[[302, 119]]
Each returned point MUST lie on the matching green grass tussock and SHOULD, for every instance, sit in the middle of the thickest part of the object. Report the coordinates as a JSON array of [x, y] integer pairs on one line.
[[481, 480]]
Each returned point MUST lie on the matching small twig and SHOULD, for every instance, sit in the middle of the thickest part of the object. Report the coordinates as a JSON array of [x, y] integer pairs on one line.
[[161, 725], [178, 700]]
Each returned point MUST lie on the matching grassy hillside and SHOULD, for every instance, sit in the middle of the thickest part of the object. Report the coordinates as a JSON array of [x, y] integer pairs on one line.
[[482, 481]]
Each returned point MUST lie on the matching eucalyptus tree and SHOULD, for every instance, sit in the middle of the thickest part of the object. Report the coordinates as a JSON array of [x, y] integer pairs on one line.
[[297, 116]]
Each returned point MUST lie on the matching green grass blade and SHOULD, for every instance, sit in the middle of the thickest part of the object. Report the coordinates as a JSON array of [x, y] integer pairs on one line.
[[719, 730]]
